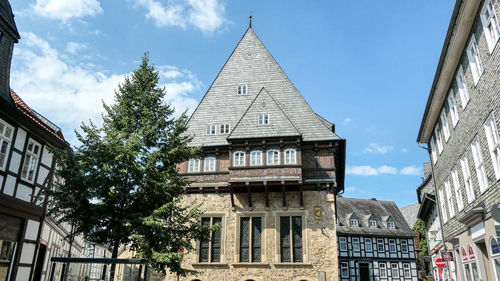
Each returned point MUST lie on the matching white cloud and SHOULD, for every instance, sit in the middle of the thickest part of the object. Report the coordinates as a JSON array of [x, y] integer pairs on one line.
[[370, 171], [347, 121], [376, 148], [350, 189], [69, 94], [67, 9], [74, 47], [206, 15], [411, 171]]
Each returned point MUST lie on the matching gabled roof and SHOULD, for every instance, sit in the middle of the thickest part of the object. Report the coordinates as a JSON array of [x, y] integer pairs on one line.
[[8, 17], [365, 208], [279, 123], [252, 65]]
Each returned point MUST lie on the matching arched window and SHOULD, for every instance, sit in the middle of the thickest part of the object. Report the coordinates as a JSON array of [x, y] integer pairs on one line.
[[464, 255], [290, 156], [256, 158], [273, 157], [470, 264], [495, 256], [239, 158]]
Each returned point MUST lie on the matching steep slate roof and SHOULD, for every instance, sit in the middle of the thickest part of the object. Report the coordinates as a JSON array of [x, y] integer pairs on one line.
[[7, 15], [410, 213], [363, 209], [279, 125], [251, 64]]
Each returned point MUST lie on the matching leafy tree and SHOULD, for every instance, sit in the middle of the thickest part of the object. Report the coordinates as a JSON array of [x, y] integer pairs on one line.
[[420, 228], [122, 181]]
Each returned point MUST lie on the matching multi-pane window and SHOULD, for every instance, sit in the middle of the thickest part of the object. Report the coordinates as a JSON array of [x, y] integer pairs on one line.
[[433, 150], [273, 157], [479, 165], [475, 64], [458, 190], [380, 245], [6, 133], [462, 87], [382, 267], [406, 270], [392, 245], [242, 90], [210, 250], [437, 137], [449, 198], [31, 161], [390, 223], [444, 125], [368, 244], [290, 156], [354, 222], [404, 246], [490, 24], [453, 108], [224, 128], [256, 158], [250, 239], [372, 222], [209, 164], [444, 215], [344, 269], [343, 243], [490, 128], [464, 163], [239, 158], [193, 165], [355, 244], [395, 270], [263, 119], [291, 239], [211, 129]]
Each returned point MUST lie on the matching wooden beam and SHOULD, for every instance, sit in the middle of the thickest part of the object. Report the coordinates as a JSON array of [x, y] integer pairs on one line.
[[301, 197], [267, 195], [249, 191], [284, 195]]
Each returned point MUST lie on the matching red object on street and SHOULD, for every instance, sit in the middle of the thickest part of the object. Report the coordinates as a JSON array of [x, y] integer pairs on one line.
[[440, 263], [181, 250]]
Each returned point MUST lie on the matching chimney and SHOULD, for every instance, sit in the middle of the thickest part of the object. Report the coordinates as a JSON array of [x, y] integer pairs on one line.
[[374, 199]]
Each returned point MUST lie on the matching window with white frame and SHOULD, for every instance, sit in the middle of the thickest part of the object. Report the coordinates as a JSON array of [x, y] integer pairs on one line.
[[263, 119], [469, 189], [344, 269], [442, 206], [444, 125], [490, 24], [395, 270], [390, 223], [211, 129], [31, 158], [368, 244], [495, 256], [343, 243], [433, 150], [209, 164], [479, 165], [224, 128], [453, 108], [439, 140], [239, 158], [380, 245], [475, 64], [392, 245], [242, 90], [490, 128], [355, 244], [372, 222], [458, 190], [404, 246], [273, 157], [290, 156], [256, 158], [193, 165], [6, 133], [462, 87], [449, 198], [353, 221], [382, 267], [406, 270]]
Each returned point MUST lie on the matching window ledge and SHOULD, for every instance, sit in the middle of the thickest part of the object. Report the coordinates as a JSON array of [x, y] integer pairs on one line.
[[250, 264], [293, 264], [215, 264]]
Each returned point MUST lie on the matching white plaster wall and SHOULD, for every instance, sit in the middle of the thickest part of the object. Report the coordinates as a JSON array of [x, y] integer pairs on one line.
[[24, 192], [23, 273], [10, 183], [15, 161], [27, 253], [20, 139], [32, 230], [47, 157]]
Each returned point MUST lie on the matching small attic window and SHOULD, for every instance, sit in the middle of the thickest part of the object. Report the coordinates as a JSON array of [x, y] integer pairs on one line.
[[390, 223], [242, 90], [354, 221], [372, 222], [264, 119]]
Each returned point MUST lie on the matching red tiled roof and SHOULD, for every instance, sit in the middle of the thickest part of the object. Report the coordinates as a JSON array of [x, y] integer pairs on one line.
[[35, 117]]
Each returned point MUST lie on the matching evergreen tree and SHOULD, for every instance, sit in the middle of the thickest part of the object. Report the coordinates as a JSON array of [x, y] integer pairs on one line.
[[126, 169]]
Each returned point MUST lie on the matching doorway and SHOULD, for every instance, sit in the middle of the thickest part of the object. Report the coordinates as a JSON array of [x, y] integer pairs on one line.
[[364, 272]]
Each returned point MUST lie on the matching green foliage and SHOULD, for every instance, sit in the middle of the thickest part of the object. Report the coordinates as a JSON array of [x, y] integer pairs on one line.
[[123, 177], [420, 228]]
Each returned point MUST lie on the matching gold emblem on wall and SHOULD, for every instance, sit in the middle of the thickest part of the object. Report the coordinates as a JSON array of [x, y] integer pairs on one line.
[[317, 213]]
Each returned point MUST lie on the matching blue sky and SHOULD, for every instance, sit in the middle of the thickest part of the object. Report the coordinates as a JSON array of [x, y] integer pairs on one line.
[[365, 65]]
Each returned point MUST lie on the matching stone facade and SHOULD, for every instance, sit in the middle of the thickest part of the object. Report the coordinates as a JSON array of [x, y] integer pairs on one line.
[[468, 123]]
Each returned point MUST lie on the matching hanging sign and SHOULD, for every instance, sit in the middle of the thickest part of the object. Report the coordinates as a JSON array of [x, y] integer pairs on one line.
[[495, 212], [440, 263], [447, 256]]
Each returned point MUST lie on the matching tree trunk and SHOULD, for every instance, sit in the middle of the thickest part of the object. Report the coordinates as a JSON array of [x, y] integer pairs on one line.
[[114, 255]]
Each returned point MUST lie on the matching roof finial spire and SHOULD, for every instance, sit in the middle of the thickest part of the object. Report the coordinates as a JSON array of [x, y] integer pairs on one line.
[[250, 17]]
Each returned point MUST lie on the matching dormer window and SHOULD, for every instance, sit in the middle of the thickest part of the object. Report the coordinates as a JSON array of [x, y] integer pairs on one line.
[[224, 129], [372, 222], [242, 90], [390, 223], [354, 222], [211, 129], [264, 119], [273, 157]]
